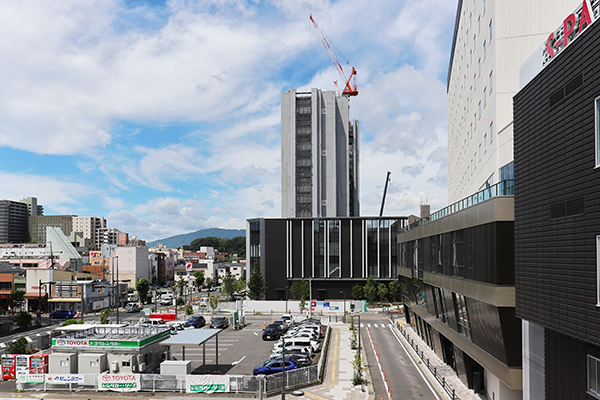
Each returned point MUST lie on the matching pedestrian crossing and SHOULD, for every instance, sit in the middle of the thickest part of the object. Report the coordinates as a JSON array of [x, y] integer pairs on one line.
[[369, 325]]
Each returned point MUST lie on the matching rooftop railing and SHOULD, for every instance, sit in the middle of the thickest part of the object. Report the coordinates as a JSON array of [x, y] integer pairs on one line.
[[503, 188]]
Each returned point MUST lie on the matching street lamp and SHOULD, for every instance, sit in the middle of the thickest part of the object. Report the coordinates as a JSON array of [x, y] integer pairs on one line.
[[286, 299], [344, 292]]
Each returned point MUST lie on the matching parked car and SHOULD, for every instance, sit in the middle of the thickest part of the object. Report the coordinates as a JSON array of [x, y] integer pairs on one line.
[[273, 367], [272, 332], [219, 323], [63, 314], [166, 300], [133, 307], [175, 327], [301, 359], [197, 321], [284, 325]]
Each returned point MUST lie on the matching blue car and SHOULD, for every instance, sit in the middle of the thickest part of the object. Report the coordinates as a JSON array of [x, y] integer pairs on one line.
[[63, 314], [197, 321], [275, 366]]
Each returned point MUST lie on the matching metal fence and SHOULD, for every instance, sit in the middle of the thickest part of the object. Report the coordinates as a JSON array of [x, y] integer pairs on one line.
[[433, 369]]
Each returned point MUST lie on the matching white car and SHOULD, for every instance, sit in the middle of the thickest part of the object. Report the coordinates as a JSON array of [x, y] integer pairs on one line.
[[166, 301], [292, 349]]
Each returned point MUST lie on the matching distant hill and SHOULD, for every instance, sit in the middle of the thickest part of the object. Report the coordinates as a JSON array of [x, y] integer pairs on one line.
[[186, 238]]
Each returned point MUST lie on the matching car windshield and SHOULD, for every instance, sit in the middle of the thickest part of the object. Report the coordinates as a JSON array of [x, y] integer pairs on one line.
[[219, 319]]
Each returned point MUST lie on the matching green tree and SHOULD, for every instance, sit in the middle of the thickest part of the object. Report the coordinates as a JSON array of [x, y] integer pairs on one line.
[[382, 291], [395, 290], [213, 302], [209, 283], [17, 297], [370, 289], [300, 290], [199, 275], [143, 286], [240, 284], [229, 286], [180, 285], [104, 314], [23, 319], [72, 321], [188, 310], [210, 241], [358, 292], [257, 286], [180, 301], [18, 346]]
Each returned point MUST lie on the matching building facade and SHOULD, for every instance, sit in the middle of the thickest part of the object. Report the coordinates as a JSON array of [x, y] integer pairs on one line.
[[90, 228], [13, 221], [319, 156], [492, 38], [457, 279], [333, 254], [38, 224], [32, 206], [557, 242]]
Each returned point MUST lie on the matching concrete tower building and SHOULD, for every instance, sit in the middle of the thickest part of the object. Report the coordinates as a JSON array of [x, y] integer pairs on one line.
[[90, 227], [491, 40], [319, 156]]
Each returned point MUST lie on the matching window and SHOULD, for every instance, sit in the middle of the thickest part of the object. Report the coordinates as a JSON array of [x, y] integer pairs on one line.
[[491, 81], [474, 42], [479, 110], [483, 5], [485, 143], [474, 81], [490, 31], [475, 118], [460, 304], [484, 50], [94, 364], [507, 171], [480, 152], [597, 131], [484, 97], [457, 253], [479, 66], [491, 132], [475, 158], [471, 130], [593, 380], [64, 363], [478, 24], [126, 363]]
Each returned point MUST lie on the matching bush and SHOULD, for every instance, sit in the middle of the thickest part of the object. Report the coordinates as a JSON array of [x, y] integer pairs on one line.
[[23, 319], [180, 301], [189, 310], [19, 346], [104, 314], [72, 321]]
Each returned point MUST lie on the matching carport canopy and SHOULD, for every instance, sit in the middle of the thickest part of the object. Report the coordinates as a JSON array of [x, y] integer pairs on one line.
[[195, 337]]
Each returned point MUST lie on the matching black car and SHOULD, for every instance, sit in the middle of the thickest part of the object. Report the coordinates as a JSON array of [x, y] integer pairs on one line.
[[219, 323], [197, 321], [272, 332]]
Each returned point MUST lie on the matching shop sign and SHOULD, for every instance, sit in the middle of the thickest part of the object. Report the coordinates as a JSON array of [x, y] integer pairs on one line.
[[119, 382], [62, 379], [571, 28], [30, 378], [206, 383]]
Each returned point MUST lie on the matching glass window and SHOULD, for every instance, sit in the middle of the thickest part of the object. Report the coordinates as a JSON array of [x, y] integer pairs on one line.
[[464, 327], [593, 380], [479, 151], [479, 66], [94, 364], [484, 50], [64, 363], [484, 97], [597, 131], [457, 253], [479, 109], [491, 81], [126, 363], [478, 24], [491, 132], [485, 143], [490, 31], [507, 172]]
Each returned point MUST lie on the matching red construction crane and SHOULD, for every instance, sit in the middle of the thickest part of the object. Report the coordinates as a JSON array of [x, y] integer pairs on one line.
[[350, 89]]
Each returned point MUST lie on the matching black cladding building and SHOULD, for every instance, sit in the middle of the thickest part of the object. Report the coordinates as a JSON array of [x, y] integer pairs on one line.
[[557, 215]]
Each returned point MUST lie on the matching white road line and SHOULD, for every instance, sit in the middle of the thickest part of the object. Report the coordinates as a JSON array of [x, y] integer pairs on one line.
[[239, 361], [379, 365], [257, 335], [415, 364], [375, 326]]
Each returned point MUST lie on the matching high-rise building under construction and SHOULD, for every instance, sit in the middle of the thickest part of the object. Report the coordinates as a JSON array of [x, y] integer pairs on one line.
[[319, 156]]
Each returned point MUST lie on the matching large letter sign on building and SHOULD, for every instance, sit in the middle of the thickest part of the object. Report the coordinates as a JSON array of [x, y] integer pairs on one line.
[[572, 27]]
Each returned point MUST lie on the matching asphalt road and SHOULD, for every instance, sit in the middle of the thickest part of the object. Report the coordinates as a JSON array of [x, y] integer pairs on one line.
[[402, 376]]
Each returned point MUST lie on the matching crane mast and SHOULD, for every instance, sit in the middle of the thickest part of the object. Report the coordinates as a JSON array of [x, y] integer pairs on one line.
[[350, 88]]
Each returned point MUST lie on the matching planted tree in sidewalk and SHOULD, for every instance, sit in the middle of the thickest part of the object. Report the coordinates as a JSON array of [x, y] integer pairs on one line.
[[370, 289], [359, 368], [199, 275], [382, 291], [300, 290], [143, 286], [395, 290], [358, 292], [229, 287], [104, 314]]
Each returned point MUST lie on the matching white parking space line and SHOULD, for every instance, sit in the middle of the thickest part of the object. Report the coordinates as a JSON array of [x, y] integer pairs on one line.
[[257, 335]]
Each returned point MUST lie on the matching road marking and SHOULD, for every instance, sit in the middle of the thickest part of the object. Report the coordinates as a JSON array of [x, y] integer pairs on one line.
[[415, 364], [255, 333], [379, 365], [239, 361], [333, 370]]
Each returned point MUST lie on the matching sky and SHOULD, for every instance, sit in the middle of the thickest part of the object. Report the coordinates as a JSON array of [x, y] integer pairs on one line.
[[164, 116]]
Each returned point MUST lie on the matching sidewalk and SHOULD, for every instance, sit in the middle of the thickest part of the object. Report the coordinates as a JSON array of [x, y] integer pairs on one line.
[[337, 382], [461, 391]]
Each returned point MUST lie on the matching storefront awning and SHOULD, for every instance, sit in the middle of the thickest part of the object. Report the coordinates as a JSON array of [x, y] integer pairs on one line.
[[64, 300], [35, 295]]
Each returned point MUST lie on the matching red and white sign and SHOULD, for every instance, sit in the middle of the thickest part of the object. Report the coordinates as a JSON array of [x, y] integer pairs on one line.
[[571, 28], [188, 266]]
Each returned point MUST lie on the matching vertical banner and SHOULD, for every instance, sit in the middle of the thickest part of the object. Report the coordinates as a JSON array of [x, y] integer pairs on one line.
[[206, 383]]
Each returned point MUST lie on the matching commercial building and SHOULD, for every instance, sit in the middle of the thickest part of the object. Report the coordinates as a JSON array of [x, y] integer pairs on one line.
[[492, 38], [13, 221], [457, 278], [33, 207], [333, 254], [131, 264], [38, 224], [90, 228], [319, 156], [557, 225]]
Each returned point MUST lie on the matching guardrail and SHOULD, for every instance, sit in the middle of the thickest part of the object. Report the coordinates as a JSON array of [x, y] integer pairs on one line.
[[442, 380]]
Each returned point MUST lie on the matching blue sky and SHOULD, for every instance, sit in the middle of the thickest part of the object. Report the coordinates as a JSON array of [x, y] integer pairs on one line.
[[164, 116]]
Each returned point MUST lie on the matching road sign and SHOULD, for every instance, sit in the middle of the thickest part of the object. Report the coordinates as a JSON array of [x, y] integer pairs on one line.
[[188, 266]]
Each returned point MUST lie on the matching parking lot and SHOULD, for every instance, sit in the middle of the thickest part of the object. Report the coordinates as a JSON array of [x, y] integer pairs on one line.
[[239, 351]]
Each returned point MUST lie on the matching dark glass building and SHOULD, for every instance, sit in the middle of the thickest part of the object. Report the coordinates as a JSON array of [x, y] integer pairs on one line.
[[333, 254], [457, 275], [557, 214]]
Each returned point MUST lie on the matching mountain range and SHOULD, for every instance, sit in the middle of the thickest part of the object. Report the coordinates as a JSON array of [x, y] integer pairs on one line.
[[186, 238]]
